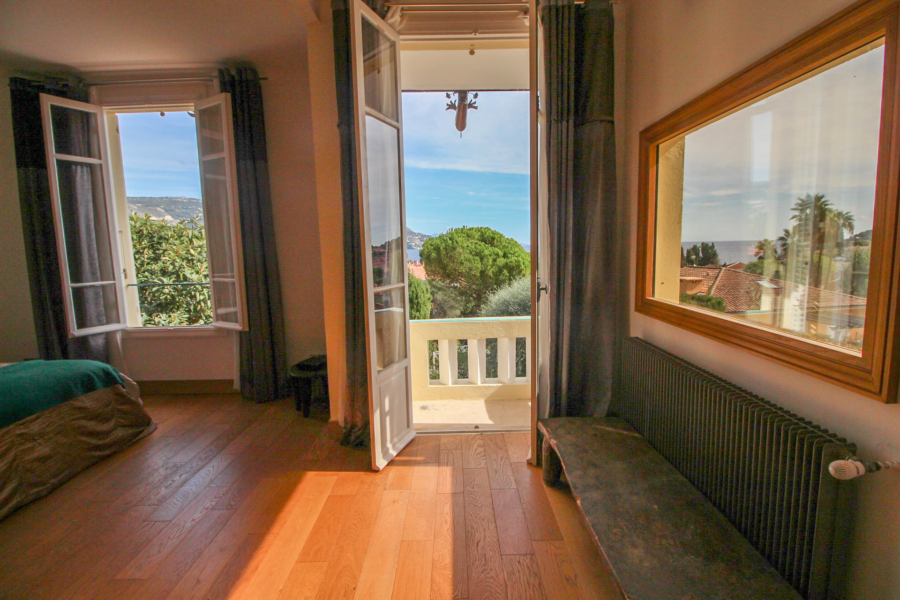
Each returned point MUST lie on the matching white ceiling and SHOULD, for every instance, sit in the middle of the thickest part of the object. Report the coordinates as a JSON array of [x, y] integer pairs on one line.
[[90, 35]]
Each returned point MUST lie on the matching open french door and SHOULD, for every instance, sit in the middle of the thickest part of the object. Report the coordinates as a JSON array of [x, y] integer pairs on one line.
[[379, 148]]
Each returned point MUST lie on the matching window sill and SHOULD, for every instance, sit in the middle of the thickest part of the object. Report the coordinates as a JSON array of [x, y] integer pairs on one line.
[[174, 332]]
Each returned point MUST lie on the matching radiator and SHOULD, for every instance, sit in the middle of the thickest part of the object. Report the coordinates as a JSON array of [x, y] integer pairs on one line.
[[764, 468]]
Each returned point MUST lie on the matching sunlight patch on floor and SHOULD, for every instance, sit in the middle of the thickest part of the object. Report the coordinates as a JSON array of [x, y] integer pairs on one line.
[[475, 415]]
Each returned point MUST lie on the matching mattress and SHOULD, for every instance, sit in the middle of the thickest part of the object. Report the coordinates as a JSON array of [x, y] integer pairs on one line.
[[59, 439]]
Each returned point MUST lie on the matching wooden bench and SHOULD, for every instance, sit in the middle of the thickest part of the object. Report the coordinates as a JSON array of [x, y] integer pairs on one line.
[[661, 536]]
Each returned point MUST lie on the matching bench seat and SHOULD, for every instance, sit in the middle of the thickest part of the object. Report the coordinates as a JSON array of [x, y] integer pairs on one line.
[[661, 536]]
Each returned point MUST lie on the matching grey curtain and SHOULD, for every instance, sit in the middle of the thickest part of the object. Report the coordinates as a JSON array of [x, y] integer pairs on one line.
[[356, 402], [262, 347], [41, 254], [581, 156]]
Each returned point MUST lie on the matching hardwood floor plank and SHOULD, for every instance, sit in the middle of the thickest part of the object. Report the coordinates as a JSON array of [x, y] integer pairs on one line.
[[429, 448], [413, 578], [511, 525], [539, 515], [498, 465], [449, 580], [346, 562], [419, 523], [324, 535], [523, 578], [177, 502], [223, 582], [557, 572], [304, 581], [376, 579], [252, 517], [399, 476], [450, 472], [170, 571], [347, 484], [473, 452], [101, 548], [485, 567], [451, 442], [518, 446], [312, 494]]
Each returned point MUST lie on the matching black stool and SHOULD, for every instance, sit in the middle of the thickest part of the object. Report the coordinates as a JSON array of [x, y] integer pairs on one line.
[[309, 380]]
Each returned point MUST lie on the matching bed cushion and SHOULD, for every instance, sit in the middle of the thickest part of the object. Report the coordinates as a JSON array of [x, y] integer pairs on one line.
[[34, 386]]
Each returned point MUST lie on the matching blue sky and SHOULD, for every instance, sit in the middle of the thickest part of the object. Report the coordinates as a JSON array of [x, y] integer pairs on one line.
[[480, 179], [744, 172], [160, 154]]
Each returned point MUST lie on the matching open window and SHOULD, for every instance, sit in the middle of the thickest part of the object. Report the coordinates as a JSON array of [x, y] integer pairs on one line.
[[102, 287]]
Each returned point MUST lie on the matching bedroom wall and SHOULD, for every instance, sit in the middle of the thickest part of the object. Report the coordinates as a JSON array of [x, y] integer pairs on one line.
[[675, 50], [17, 339]]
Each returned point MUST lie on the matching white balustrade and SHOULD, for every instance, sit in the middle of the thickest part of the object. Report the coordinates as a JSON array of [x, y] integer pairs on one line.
[[475, 333]]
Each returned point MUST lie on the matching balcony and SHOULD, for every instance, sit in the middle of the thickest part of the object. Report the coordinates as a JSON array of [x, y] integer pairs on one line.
[[471, 374]]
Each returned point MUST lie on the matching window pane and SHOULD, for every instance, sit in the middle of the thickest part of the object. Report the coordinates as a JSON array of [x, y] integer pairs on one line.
[[217, 217], [385, 231], [766, 214], [75, 132], [85, 222], [379, 71], [212, 138], [225, 293], [95, 306], [390, 326]]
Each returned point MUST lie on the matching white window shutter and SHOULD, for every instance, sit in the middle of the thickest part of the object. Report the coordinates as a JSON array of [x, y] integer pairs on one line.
[[84, 216], [221, 214]]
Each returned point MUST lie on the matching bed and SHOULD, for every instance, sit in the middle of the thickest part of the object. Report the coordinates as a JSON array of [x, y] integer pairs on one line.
[[58, 418]]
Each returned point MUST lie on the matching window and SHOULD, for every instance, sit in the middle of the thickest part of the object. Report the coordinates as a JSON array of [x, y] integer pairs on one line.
[[767, 215], [105, 287]]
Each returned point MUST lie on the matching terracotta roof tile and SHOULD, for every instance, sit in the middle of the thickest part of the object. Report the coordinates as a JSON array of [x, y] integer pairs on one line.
[[742, 291]]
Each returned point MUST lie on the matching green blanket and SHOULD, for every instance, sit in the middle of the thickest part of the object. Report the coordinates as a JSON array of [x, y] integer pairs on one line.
[[31, 387]]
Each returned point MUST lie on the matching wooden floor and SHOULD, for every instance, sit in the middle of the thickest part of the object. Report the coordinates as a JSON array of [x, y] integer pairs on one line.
[[228, 499]]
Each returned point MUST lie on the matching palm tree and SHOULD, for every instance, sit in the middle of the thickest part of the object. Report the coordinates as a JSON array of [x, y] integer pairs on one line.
[[765, 250], [785, 240], [817, 221]]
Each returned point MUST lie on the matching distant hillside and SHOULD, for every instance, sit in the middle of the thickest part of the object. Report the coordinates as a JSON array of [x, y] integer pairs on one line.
[[167, 208], [415, 239]]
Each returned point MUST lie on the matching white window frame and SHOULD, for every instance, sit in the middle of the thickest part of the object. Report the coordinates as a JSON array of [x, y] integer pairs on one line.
[[48, 101], [101, 113], [237, 254]]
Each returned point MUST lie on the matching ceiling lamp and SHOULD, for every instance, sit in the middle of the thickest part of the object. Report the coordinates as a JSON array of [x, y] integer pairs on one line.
[[461, 105]]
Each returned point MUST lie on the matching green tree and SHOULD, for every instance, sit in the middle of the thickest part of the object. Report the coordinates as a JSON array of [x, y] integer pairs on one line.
[[700, 256], [818, 234], [474, 261], [171, 254], [765, 250], [511, 300], [767, 268], [703, 301], [784, 241], [419, 299]]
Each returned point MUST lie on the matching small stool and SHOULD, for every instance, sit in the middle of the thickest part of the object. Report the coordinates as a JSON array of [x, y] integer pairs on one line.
[[309, 380]]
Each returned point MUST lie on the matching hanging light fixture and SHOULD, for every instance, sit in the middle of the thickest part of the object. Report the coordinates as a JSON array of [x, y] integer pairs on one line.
[[461, 105]]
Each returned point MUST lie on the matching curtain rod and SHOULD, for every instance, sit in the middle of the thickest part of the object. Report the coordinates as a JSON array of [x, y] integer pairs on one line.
[[170, 80]]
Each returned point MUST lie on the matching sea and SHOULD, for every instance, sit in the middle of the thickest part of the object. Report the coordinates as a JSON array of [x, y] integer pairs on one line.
[[413, 253], [731, 251]]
